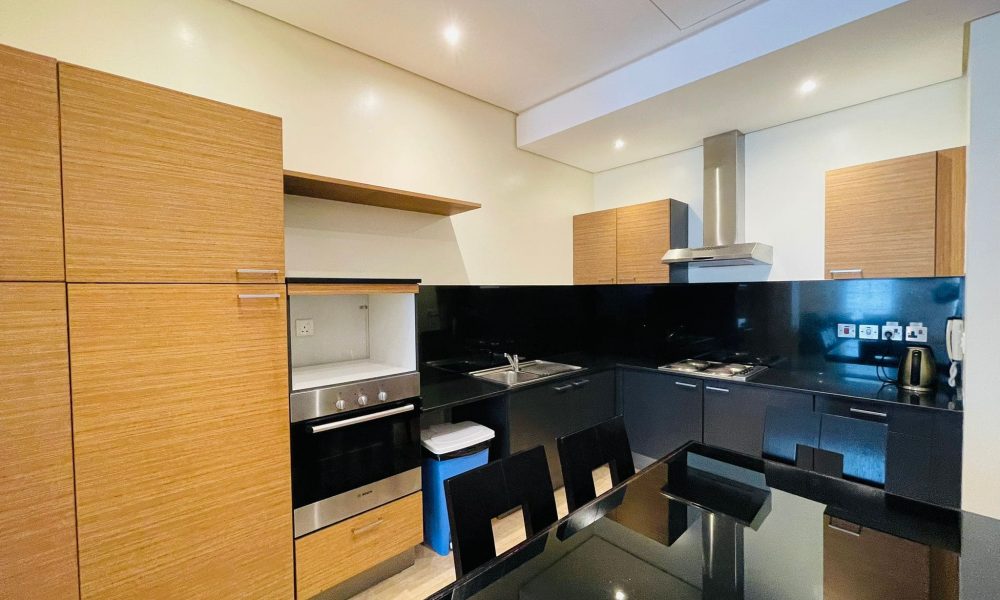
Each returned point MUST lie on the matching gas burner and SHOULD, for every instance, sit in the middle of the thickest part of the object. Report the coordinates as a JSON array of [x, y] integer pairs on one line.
[[688, 366], [716, 369]]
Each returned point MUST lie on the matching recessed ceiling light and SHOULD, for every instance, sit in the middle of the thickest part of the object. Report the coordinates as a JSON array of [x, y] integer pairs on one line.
[[452, 34], [620, 595], [619, 144], [808, 86]]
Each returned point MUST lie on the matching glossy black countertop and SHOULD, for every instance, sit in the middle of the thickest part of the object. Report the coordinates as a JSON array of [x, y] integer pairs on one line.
[[710, 523], [442, 389]]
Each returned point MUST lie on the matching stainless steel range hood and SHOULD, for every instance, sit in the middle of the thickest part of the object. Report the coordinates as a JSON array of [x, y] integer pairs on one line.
[[723, 210]]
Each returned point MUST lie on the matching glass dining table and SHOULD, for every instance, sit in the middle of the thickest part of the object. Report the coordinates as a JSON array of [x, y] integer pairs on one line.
[[705, 522]]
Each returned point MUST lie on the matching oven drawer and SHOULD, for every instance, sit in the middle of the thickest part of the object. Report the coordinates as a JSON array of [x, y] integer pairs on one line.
[[333, 555]]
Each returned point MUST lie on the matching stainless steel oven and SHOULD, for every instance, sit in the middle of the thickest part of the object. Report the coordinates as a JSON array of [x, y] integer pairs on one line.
[[354, 447]]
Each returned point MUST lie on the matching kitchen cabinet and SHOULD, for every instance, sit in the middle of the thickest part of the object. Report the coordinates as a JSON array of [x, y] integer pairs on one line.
[[902, 217], [180, 428], [662, 412], [164, 187], [540, 414], [37, 519], [626, 245], [734, 413], [31, 231], [923, 449]]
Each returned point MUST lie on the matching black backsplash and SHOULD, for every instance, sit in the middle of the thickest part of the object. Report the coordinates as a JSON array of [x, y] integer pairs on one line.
[[791, 322]]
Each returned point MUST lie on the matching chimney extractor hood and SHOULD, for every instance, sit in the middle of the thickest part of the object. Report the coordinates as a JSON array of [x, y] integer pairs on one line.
[[723, 210]]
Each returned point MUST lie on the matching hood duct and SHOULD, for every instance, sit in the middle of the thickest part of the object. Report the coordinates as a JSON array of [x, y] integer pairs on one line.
[[723, 227]]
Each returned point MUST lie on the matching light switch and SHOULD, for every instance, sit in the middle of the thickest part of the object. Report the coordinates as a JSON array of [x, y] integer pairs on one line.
[[846, 330], [868, 332]]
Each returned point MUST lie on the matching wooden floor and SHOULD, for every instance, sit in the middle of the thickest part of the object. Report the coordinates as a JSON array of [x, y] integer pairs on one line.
[[432, 572]]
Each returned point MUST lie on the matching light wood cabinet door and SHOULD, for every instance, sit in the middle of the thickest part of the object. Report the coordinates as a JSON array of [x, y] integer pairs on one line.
[[880, 218], [950, 242], [163, 187], [595, 247], [31, 234], [37, 520], [642, 240], [864, 564], [180, 420]]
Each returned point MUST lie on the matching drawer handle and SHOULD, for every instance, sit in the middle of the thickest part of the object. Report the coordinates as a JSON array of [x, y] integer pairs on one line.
[[871, 413], [842, 530], [259, 296], [687, 385], [715, 389], [834, 272], [581, 383], [563, 388], [366, 528], [606, 280], [258, 271]]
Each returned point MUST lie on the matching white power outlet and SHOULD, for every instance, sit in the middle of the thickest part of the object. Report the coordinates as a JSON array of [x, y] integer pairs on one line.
[[846, 330], [916, 332], [895, 329], [868, 332], [303, 327]]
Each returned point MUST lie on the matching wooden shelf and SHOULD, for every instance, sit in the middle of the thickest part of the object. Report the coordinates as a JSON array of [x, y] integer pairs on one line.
[[329, 188]]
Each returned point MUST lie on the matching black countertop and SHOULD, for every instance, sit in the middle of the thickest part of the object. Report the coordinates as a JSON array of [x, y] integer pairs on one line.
[[775, 532], [442, 389]]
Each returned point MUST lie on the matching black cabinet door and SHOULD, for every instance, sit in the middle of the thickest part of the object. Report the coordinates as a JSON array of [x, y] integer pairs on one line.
[[924, 456], [662, 412], [541, 414], [734, 413]]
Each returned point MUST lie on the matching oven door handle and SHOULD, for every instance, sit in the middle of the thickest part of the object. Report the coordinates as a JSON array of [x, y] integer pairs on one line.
[[362, 419]]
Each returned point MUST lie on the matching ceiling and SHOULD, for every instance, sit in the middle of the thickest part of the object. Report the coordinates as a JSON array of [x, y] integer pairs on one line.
[[512, 53]]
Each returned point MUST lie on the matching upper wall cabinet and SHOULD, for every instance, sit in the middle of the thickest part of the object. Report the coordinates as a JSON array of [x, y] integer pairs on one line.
[[31, 244], [903, 217], [626, 245], [160, 186]]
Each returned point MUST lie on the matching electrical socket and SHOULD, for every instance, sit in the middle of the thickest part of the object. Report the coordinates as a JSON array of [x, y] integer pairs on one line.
[[916, 332], [303, 327], [895, 328], [868, 332], [846, 330]]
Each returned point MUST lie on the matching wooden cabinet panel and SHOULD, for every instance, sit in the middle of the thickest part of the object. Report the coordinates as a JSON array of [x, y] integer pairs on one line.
[[160, 186], [594, 247], [880, 218], [37, 521], [31, 236], [335, 554], [950, 251], [180, 419], [643, 238]]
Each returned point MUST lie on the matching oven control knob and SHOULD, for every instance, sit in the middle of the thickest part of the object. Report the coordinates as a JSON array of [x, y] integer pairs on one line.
[[362, 400], [340, 405], [383, 396]]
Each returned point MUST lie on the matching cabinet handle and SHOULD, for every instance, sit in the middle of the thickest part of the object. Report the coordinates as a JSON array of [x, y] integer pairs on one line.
[[835, 272], [563, 388], [686, 385], [627, 278], [606, 280], [581, 383], [259, 296], [842, 530], [258, 271], [366, 528], [715, 389], [871, 413]]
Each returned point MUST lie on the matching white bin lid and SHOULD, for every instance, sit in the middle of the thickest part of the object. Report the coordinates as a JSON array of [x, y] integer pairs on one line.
[[449, 437]]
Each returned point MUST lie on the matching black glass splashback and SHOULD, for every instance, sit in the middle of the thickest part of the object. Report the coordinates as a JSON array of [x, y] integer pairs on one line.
[[790, 322]]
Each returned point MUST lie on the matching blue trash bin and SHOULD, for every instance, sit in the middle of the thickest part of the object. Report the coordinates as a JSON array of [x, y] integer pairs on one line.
[[449, 449]]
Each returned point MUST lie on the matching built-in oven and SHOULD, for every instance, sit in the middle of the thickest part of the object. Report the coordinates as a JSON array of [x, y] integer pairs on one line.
[[355, 446]]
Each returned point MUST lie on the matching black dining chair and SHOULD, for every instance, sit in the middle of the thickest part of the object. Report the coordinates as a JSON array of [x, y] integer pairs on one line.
[[788, 429], [476, 497], [582, 452], [861, 443]]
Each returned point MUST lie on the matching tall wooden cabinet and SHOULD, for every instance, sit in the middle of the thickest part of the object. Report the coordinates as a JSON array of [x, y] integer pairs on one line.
[[625, 245], [903, 217]]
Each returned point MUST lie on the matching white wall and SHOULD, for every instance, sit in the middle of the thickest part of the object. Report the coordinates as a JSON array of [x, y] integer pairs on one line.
[[785, 167], [345, 115], [981, 465]]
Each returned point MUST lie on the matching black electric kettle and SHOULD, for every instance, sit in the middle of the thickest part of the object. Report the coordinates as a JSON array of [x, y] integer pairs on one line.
[[916, 369]]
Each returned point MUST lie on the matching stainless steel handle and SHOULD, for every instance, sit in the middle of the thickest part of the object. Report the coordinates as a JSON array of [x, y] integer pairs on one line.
[[563, 388], [687, 385], [846, 272], [366, 528], [258, 271], [872, 413], [580, 383], [842, 530], [362, 419], [715, 389], [259, 296]]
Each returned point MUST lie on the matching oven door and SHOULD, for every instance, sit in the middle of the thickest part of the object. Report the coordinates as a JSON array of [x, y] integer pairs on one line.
[[346, 464]]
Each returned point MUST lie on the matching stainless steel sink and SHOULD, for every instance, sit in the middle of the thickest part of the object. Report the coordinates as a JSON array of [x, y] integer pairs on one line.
[[529, 371]]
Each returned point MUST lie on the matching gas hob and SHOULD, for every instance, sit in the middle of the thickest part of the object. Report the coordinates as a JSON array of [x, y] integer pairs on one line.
[[710, 368]]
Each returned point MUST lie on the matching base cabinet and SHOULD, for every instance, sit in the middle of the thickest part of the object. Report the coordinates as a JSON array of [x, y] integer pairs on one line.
[[662, 412], [734, 414]]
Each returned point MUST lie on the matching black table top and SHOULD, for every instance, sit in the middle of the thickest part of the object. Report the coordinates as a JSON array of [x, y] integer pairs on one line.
[[710, 523]]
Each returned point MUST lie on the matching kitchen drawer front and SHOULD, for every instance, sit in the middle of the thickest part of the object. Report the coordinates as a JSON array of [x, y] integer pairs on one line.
[[734, 413], [662, 412], [333, 555], [878, 412], [927, 468]]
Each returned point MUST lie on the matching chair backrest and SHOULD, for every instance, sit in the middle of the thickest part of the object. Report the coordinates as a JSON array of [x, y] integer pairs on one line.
[[477, 496], [785, 428], [863, 444], [582, 452]]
